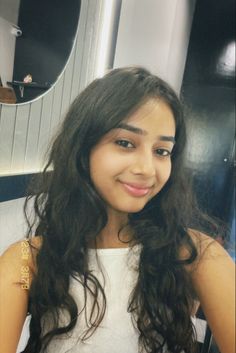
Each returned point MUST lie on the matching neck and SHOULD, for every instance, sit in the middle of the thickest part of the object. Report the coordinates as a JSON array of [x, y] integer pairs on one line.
[[116, 233]]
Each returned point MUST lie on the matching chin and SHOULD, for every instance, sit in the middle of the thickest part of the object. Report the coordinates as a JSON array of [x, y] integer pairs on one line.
[[132, 209]]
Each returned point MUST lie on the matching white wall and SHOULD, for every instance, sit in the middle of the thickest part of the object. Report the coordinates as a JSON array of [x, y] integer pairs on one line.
[[155, 34], [9, 9]]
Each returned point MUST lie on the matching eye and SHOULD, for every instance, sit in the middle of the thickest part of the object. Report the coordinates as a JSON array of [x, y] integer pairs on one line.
[[163, 152], [124, 143]]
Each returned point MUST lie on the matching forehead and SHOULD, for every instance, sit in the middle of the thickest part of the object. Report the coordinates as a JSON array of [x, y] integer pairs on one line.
[[153, 114]]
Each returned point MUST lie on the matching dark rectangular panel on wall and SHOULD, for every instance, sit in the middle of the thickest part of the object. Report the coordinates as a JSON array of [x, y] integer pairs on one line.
[[211, 53], [209, 92], [14, 186]]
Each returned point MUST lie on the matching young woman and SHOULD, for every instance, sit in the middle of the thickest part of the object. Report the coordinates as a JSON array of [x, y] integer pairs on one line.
[[116, 265]]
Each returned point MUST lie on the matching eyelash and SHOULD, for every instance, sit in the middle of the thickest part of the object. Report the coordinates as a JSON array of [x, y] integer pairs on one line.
[[124, 144], [164, 153]]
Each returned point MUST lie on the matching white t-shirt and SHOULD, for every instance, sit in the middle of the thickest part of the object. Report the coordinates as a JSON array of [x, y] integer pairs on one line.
[[116, 333]]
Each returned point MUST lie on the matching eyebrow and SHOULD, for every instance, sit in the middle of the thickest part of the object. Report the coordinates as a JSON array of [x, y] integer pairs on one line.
[[139, 131]]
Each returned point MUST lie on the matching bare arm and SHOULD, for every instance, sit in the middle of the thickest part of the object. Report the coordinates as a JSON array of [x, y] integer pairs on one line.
[[214, 282], [15, 280]]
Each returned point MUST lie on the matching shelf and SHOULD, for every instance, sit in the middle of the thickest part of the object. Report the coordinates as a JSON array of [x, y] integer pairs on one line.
[[22, 85], [45, 85]]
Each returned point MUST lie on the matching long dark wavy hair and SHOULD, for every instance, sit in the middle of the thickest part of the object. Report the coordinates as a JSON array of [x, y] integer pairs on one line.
[[69, 214]]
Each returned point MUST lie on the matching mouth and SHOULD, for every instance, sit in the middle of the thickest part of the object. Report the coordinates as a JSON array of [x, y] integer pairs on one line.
[[136, 189]]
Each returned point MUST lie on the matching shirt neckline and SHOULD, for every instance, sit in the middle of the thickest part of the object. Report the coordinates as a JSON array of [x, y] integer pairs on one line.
[[112, 251]]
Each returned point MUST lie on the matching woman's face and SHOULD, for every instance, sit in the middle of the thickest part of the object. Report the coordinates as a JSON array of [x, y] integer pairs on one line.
[[132, 163]]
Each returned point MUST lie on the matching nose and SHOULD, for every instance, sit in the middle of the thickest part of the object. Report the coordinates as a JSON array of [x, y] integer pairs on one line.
[[144, 164]]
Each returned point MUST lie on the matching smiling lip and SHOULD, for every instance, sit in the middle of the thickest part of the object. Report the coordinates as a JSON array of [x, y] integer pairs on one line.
[[136, 190]]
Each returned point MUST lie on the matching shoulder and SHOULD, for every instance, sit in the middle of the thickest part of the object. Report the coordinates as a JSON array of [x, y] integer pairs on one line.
[[213, 263], [210, 255], [19, 260], [208, 248], [213, 278], [21, 249], [16, 273]]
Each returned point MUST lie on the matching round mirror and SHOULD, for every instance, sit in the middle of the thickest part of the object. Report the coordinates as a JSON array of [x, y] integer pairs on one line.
[[36, 39]]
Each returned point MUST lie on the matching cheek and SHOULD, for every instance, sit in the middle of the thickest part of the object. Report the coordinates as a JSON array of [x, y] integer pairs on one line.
[[164, 172], [103, 164]]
